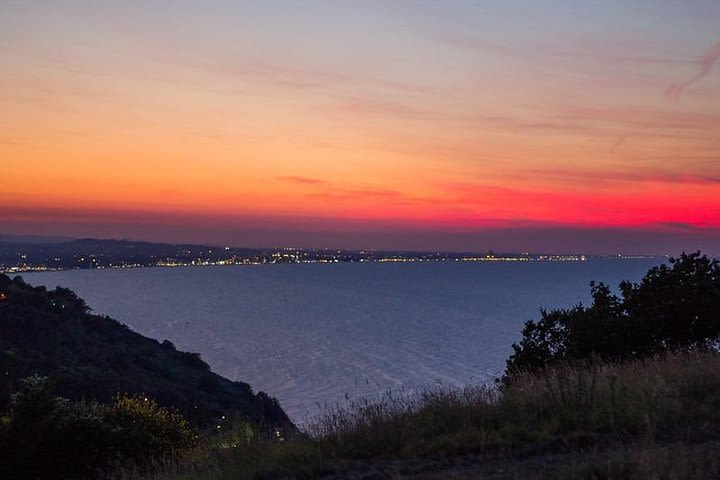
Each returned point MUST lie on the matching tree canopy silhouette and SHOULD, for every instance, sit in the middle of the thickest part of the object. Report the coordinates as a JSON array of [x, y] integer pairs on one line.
[[674, 307]]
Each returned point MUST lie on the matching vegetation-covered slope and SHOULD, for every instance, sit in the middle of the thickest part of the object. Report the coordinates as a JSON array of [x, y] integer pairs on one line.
[[52, 333]]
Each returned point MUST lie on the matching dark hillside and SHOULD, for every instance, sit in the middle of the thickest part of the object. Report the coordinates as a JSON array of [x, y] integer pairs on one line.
[[52, 333], [95, 253]]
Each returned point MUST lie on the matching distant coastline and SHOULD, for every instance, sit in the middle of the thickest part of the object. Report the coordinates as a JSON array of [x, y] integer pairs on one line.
[[20, 256]]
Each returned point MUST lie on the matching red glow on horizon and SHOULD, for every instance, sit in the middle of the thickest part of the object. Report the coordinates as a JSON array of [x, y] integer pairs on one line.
[[197, 121]]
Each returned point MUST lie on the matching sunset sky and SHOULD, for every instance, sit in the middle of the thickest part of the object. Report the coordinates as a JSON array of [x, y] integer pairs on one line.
[[514, 125]]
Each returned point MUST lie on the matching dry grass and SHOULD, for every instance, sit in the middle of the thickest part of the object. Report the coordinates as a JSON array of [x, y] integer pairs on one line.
[[606, 421]]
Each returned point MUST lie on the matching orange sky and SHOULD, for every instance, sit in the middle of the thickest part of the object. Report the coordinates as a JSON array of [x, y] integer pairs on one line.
[[456, 118]]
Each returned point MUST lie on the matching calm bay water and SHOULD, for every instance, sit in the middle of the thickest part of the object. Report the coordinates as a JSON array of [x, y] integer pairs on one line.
[[310, 334]]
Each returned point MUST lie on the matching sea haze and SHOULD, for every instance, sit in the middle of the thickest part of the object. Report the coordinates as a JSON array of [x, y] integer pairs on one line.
[[316, 334]]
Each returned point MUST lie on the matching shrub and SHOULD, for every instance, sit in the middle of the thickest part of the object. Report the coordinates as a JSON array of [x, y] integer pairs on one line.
[[44, 436], [144, 430]]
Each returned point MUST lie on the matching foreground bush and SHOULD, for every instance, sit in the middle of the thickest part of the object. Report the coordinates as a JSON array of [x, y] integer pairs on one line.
[[144, 430], [44, 436]]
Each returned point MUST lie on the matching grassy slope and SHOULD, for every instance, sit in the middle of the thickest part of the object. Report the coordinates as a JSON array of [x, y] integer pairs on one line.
[[658, 418]]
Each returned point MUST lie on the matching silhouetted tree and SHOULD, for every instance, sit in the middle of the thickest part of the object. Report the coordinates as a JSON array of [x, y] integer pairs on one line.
[[675, 306]]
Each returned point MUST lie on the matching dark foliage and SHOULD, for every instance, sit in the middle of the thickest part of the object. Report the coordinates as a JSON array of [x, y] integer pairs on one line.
[[674, 307], [52, 333], [44, 436]]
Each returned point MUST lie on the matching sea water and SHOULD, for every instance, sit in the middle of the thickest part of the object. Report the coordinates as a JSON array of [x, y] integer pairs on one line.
[[313, 335]]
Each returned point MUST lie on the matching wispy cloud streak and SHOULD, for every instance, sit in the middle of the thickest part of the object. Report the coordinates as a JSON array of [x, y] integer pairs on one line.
[[302, 180], [705, 65]]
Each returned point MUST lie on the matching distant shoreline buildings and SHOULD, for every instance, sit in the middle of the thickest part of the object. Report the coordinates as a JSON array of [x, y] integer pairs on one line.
[[115, 254]]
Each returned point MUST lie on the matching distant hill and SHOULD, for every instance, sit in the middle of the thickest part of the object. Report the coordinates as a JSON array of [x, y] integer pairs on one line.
[[52, 333], [93, 253], [99, 253], [32, 239]]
